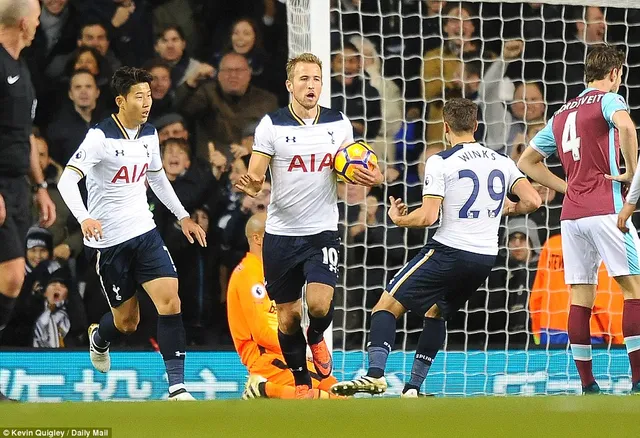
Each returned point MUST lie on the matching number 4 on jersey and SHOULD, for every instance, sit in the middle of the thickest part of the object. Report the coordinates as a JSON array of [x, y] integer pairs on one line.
[[570, 139]]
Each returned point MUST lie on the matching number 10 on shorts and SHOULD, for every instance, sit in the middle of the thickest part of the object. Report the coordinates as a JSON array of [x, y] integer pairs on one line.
[[330, 257]]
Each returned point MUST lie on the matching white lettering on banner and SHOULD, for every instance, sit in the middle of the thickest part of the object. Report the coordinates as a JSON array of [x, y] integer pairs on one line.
[[209, 385], [540, 383], [89, 388], [33, 383]]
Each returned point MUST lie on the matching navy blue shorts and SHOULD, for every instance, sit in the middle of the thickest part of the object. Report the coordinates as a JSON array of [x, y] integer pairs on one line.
[[440, 275], [292, 261], [121, 268]]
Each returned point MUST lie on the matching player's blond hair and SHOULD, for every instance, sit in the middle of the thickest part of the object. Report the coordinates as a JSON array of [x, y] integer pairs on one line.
[[307, 57], [12, 11]]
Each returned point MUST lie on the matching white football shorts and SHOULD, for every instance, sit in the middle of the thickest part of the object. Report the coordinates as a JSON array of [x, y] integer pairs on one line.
[[588, 241]]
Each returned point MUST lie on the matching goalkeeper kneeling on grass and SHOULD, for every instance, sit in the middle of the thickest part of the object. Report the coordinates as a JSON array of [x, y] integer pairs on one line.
[[254, 327]]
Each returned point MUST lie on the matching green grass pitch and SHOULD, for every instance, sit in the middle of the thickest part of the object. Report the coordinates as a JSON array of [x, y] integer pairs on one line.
[[564, 416]]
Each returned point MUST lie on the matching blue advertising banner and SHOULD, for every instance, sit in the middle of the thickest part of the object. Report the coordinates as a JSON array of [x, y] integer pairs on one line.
[[52, 376]]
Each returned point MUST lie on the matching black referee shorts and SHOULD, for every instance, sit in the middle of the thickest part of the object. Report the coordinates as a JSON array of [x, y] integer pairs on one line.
[[16, 193]]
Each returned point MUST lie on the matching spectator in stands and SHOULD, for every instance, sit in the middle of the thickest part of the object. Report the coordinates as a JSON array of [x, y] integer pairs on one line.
[[510, 283], [130, 28], [53, 41], [39, 250], [189, 183], [391, 100], [172, 49], [171, 125], [86, 58], [422, 28], [353, 94], [62, 323], [75, 116], [224, 107], [161, 89], [441, 63], [182, 13], [245, 38], [94, 34], [550, 301], [565, 60], [65, 231], [466, 83]]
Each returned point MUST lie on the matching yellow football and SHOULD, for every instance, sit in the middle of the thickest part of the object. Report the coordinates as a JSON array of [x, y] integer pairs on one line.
[[352, 156]]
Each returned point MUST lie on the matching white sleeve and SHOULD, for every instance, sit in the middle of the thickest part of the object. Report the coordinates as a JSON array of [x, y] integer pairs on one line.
[[434, 181], [156, 156], [161, 186], [68, 188], [348, 128], [89, 153], [514, 175], [634, 190], [264, 137]]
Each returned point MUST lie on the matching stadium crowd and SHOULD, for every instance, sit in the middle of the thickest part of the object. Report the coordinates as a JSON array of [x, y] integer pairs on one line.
[[218, 68]]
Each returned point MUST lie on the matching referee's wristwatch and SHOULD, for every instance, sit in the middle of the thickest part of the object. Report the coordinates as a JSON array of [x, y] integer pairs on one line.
[[42, 185]]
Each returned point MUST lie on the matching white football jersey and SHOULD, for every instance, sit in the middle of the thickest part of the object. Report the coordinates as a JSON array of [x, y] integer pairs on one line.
[[473, 181], [303, 184], [116, 163]]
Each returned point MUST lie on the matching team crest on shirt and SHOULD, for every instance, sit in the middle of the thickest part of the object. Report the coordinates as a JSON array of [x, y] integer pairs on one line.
[[258, 291], [80, 155]]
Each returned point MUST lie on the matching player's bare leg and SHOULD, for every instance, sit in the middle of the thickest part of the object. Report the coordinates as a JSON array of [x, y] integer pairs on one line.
[[122, 320], [630, 285], [294, 345], [430, 342], [382, 337], [320, 305], [171, 334], [579, 329]]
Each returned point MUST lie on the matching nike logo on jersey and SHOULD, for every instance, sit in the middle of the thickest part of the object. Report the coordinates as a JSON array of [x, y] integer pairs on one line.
[[13, 79]]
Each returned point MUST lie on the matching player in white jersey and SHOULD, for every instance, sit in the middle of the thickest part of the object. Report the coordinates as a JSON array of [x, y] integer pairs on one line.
[[467, 187], [301, 242], [117, 157]]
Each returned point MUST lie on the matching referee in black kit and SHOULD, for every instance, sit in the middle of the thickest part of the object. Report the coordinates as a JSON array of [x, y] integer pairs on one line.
[[18, 22]]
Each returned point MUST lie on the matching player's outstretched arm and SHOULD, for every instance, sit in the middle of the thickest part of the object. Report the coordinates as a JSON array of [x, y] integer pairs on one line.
[[251, 183], [421, 217], [531, 163], [529, 199]]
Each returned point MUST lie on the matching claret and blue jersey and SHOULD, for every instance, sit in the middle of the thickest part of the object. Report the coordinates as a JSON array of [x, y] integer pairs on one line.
[[583, 135]]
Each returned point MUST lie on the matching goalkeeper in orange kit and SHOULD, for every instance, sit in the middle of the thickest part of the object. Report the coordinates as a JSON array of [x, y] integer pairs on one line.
[[254, 327]]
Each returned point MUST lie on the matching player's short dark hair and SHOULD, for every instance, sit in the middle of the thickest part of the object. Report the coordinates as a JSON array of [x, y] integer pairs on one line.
[[601, 59], [126, 77], [460, 114], [81, 71], [93, 22]]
